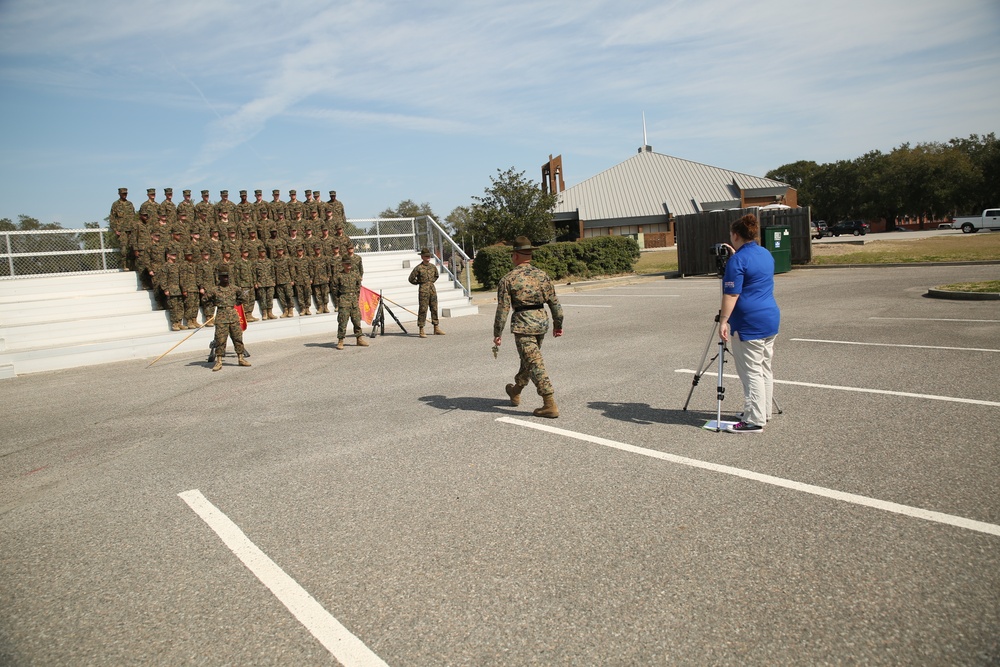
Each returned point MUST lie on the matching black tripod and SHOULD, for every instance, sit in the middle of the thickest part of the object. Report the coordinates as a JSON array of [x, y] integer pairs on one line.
[[703, 366]]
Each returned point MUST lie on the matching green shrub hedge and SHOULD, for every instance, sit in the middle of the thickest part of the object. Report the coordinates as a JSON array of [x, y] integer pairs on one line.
[[586, 258]]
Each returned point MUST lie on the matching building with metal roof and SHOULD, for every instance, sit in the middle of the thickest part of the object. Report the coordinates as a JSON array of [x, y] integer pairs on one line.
[[642, 195]]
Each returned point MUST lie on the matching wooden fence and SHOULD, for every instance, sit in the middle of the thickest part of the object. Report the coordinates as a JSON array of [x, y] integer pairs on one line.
[[696, 235]]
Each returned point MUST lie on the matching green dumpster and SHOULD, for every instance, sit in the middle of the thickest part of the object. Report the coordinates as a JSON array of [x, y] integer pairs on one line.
[[778, 240]]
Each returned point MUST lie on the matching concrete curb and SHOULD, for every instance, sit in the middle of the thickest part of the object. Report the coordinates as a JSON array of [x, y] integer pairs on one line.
[[963, 296]]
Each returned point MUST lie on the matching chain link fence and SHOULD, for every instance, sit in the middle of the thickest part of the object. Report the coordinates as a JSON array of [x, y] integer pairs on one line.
[[43, 252]]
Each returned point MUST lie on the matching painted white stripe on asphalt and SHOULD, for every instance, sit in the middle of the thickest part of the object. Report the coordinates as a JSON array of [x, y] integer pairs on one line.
[[930, 319], [582, 305], [931, 397], [923, 347], [853, 498], [344, 646]]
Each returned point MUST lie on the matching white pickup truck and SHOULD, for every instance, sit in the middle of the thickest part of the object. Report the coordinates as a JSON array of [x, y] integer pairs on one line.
[[990, 219]]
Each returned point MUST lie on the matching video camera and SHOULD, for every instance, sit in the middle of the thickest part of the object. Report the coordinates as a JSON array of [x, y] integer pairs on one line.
[[721, 252]]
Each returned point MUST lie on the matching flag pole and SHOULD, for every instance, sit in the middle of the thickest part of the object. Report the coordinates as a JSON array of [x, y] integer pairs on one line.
[[396, 304], [200, 327]]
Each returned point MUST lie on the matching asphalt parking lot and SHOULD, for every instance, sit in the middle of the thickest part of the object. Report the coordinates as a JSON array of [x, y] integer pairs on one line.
[[387, 505]]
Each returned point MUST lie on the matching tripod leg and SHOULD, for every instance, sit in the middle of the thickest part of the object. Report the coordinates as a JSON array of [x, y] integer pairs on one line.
[[702, 367], [721, 389]]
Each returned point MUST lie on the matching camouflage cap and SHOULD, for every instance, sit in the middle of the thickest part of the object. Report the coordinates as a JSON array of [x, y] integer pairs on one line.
[[150, 191], [206, 252], [168, 191], [156, 234], [333, 193], [317, 247], [291, 192], [224, 192], [309, 192], [223, 273], [187, 192], [143, 214], [275, 192], [204, 192], [258, 192], [123, 191], [261, 251], [189, 252]]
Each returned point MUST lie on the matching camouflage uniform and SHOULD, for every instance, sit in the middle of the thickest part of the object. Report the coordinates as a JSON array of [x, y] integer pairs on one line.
[[527, 289], [224, 204], [204, 212], [337, 207], [276, 206], [205, 278], [293, 207], [244, 279], [150, 207], [186, 206], [227, 322], [244, 213], [283, 283], [189, 287], [356, 264], [300, 266], [169, 281], [263, 277], [167, 207], [121, 220], [320, 270], [346, 289], [425, 275]]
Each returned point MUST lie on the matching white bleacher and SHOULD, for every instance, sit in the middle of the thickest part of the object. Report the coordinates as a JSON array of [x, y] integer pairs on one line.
[[68, 320]]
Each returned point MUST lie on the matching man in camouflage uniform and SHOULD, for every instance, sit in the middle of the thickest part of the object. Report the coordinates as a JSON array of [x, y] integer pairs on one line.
[[346, 288], [186, 207], [245, 280], [225, 298], [263, 276], [292, 206], [283, 282], [147, 263], [301, 279], [320, 272], [167, 207], [260, 210], [121, 220], [205, 278], [425, 275], [356, 262], [189, 288], [308, 206], [225, 205], [276, 206], [244, 207], [253, 243], [335, 205], [527, 289], [150, 207], [170, 283], [204, 213]]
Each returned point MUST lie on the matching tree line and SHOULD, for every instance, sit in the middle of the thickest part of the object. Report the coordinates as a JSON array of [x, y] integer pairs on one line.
[[933, 180]]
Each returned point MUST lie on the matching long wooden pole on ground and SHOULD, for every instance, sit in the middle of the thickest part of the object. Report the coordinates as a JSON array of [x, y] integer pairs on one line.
[[200, 327]]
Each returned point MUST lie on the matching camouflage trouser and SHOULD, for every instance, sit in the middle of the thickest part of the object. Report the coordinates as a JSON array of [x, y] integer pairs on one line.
[[352, 313], [207, 308], [191, 307], [303, 293], [228, 330], [321, 292], [248, 300], [265, 296], [285, 297], [175, 306], [428, 299], [529, 349]]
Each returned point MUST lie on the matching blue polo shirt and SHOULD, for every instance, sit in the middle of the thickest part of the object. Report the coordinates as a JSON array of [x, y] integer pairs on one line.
[[750, 274]]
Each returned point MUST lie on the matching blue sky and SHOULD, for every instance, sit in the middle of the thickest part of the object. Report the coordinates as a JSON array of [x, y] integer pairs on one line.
[[386, 100]]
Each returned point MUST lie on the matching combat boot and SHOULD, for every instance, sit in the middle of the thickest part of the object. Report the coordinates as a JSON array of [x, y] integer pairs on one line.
[[514, 391], [437, 331], [362, 342], [305, 311], [548, 409], [422, 334], [174, 326], [250, 317], [286, 313], [218, 363], [340, 344], [241, 360]]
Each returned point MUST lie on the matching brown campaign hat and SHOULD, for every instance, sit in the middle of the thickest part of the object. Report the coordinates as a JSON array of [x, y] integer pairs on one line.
[[424, 252], [522, 244]]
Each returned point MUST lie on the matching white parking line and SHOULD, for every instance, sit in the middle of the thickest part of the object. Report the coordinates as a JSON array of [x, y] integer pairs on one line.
[[932, 397], [853, 498], [922, 347], [574, 295], [582, 305], [345, 647], [930, 319]]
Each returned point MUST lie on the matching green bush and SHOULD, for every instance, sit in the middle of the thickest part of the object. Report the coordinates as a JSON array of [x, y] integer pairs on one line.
[[598, 256]]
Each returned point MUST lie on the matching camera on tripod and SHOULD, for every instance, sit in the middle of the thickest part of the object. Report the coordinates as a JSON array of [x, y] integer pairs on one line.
[[721, 252]]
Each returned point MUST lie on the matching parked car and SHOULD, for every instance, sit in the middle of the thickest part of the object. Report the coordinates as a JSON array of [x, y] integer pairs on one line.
[[988, 219], [856, 227], [819, 229]]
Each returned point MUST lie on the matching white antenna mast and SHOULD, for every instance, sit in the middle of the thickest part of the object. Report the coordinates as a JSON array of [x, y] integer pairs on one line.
[[644, 142]]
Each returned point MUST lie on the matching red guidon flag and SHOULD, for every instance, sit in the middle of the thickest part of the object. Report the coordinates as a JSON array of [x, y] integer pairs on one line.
[[243, 317], [368, 303]]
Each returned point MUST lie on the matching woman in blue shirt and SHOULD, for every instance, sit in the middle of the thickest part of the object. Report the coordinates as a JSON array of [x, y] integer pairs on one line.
[[748, 321]]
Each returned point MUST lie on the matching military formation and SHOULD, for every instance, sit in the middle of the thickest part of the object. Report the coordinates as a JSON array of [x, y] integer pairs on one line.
[[211, 258], [285, 249]]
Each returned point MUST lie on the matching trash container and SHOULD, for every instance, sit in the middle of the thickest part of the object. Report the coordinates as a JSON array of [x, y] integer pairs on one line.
[[778, 240]]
